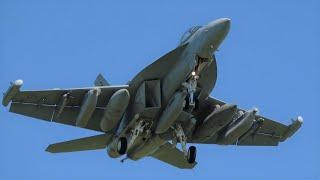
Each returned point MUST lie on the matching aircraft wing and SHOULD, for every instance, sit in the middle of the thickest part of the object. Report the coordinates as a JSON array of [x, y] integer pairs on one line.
[[173, 156], [82, 144], [49, 105], [267, 132]]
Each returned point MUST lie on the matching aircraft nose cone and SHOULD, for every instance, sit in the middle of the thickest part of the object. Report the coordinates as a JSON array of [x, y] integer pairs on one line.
[[217, 31], [212, 36], [222, 23]]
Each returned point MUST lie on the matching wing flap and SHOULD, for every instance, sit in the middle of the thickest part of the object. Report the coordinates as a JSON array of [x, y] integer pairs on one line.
[[50, 113], [32, 110], [259, 140], [173, 156], [50, 97], [82, 144], [270, 133], [69, 115], [271, 127]]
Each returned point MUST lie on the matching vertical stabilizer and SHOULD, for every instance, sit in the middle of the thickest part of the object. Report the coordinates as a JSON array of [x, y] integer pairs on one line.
[[101, 81]]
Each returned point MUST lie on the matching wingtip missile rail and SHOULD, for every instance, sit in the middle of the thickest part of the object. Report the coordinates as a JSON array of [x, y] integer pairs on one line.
[[11, 92], [292, 128]]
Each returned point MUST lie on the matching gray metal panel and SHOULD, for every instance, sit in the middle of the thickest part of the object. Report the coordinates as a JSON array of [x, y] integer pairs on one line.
[[36, 111], [155, 71], [269, 134], [158, 69], [50, 113], [82, 144], [53, 96], [207, 79], [172, 156], [153, 93], [271, 127], [259, 140], [45, 104], [69, 115]]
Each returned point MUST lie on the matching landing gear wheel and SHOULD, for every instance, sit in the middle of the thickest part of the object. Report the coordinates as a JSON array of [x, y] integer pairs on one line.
[[192, 153], [187, 104], [122, 146]]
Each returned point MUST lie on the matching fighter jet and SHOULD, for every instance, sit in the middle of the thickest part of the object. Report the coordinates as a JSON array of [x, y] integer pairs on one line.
[[162, 110]]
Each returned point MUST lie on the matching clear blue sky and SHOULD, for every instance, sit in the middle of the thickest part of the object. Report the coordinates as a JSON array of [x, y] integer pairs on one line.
[[270, 60]]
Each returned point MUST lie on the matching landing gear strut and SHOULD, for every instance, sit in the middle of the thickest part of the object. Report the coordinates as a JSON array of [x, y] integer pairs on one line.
[[137, 130], [191, 87], [182, 138]]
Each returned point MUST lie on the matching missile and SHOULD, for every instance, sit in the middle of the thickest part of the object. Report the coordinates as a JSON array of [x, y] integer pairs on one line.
[[11, 92], [63, 102], [237, 128], [257, 124], [171, 112], [296, 124], [114, 109], [215, 121], [87, 108]]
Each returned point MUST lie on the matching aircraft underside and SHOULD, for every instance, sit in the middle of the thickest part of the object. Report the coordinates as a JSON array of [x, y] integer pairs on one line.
[[166, 104]]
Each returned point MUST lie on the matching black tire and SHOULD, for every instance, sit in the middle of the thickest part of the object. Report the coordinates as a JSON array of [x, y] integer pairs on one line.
[[122, 146], [186, 106], [196, 101], [192, 153]]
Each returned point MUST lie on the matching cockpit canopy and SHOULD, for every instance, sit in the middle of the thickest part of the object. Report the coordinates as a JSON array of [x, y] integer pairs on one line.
[[188, 34]]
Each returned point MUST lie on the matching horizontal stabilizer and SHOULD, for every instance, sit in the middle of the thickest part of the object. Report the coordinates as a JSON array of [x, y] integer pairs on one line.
[[173, 156], [101, 81], [82, 144]]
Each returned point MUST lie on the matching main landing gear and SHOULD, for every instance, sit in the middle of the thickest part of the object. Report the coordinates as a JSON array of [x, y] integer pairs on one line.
[[122, 146], [141, 127], [192, 153], [182, 138]]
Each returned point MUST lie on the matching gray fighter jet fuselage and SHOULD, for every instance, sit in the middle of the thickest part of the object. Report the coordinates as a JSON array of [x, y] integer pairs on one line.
[[166, 103], [200, 44]]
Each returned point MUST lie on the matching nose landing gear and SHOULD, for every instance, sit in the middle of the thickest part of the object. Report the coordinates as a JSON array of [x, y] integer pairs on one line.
[[191, 87]]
